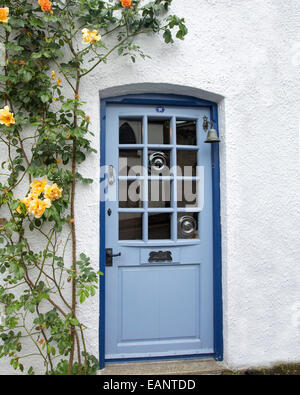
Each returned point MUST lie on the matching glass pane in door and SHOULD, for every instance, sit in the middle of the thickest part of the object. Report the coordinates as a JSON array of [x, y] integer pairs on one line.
[[187, 194], [130, 131], [186, 132], [159, 226], [130, 162], [159, 131], [159, 194], [187, 163], [130, 226], [130, 194]]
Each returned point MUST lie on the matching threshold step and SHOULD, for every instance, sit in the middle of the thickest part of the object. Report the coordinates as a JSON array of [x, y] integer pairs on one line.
[[177, 367]]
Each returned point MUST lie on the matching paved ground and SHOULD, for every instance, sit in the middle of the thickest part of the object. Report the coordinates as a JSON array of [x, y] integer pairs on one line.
[[182, 367]]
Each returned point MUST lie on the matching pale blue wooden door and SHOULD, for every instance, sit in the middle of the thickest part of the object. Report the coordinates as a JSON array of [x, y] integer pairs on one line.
[[159, 291]]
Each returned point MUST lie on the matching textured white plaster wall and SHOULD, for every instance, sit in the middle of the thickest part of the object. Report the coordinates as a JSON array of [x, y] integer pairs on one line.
[[242, 54]]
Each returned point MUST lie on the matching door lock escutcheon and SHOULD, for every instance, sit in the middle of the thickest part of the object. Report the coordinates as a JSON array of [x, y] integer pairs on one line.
[[109, 256]]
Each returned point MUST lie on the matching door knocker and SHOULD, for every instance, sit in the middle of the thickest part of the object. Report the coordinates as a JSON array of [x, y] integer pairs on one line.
[[187, 225], [158, 162]]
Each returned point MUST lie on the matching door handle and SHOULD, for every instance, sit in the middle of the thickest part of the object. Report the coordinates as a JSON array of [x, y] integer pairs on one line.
[[111, 175], [109, 256]]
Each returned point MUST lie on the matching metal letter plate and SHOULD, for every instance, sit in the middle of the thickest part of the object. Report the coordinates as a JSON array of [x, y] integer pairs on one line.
[[158, 255]]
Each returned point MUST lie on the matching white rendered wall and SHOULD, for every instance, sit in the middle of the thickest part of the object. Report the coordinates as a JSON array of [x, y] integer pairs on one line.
[[242, 54]]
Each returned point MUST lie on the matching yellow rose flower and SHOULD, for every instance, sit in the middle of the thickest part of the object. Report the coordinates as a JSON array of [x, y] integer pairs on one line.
[[19, 207], [95, 37], [46, 5], [4, 14], [52, 192], [37, 207], [30, 198], [89, 36], [6, 117], [126, 3], [85, 36], [37, 187]]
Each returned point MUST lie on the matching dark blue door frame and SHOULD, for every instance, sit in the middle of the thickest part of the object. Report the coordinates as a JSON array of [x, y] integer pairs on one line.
[[168, 100]]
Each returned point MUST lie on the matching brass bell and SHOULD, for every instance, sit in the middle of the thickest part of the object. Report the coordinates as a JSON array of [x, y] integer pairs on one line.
[[212, 137]]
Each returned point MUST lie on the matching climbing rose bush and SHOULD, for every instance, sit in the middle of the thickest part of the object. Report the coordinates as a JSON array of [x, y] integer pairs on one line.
[[50, 47]]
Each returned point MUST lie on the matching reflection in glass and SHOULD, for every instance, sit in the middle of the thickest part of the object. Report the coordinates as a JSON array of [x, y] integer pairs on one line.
[[187, 226], [158, 131], [159, 194], [187, 163], [130, 162], [130, 194], [159, 226], [186, 132], [130, 226], [159, 163], [186, 193], [130, 130]]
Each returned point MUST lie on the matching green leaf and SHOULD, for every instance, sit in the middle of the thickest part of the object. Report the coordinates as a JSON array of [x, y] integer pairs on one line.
[[37, 222], [74, 321], [16, 22], [45, 98], [36, 22], [82, 297], [168, 36], [14, 205], [36, 55], [80, 157], [13, 47], [30, 371], [27, 76]]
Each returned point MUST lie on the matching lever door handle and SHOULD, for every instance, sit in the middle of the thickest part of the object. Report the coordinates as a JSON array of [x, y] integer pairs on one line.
[[109, 256], [113, 255]]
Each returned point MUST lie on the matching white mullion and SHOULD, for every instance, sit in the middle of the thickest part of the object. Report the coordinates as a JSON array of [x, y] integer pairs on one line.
[[174, 183], [201, 197], [145, 177]]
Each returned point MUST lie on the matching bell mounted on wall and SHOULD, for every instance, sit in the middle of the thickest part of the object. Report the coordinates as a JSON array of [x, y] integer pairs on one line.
[[212, 135]]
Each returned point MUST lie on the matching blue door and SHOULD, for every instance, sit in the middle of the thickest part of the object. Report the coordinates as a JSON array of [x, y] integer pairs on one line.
[[159, 233]]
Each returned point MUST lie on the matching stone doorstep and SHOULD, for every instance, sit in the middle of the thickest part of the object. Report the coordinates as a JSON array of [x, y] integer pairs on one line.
[[179, 367]]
